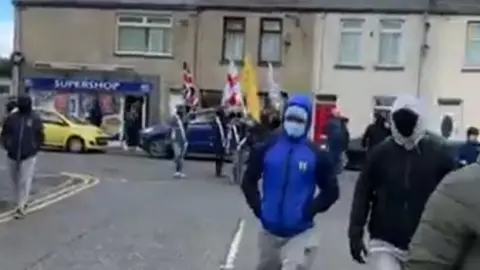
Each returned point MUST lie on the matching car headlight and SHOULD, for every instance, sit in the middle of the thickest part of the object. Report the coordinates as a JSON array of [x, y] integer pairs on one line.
[[147, 130]]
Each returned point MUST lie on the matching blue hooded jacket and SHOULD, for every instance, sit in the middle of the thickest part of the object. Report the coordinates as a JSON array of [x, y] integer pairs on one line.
[[291, 169], [468, 153]]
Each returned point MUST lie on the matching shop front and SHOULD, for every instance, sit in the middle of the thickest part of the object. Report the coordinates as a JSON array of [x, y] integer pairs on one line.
[[74, 97]]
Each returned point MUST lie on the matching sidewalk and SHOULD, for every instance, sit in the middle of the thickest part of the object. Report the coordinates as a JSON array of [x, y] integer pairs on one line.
[[43, 184]]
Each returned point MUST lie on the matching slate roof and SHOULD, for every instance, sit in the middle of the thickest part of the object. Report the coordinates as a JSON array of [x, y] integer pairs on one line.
[[466, 7]]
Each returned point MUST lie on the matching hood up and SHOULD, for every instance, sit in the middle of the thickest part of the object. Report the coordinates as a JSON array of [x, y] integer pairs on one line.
[[303, 101], [24, 104], [414, 105]]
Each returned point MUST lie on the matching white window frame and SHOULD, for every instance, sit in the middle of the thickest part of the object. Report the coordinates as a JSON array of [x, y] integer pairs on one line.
[[382, 30], [358, 30], [144, 24], [468, 40]]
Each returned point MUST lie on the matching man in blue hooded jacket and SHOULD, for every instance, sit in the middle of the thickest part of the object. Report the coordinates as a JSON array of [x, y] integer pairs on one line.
[[291, 167]]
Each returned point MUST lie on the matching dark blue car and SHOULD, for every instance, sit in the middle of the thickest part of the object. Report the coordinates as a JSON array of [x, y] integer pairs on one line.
[[155, 140]]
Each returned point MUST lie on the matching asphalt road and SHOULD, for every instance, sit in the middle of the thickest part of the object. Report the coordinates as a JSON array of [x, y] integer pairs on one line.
[[140, 218]]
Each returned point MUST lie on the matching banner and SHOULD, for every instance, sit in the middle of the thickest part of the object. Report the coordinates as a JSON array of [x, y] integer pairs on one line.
[[250, 87]]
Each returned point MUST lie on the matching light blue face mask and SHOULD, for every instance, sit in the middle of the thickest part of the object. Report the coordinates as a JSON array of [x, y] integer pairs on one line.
[[294, 129]]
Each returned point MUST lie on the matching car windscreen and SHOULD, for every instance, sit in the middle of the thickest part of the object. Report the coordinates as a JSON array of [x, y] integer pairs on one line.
[[75, 120], [202, 118]]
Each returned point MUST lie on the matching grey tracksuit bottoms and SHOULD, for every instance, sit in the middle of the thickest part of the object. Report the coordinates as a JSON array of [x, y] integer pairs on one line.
[[278, 253], [21, 174]]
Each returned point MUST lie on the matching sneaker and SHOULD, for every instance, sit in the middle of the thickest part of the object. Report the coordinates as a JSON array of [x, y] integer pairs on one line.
[[177, 175], [182, 175], [19, 213]]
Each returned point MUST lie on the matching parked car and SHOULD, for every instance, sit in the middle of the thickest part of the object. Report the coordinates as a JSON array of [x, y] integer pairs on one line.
[[155, 140], [356, 154], [70, 133]]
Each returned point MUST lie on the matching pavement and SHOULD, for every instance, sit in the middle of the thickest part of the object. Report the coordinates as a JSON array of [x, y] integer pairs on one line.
[[139, 217]]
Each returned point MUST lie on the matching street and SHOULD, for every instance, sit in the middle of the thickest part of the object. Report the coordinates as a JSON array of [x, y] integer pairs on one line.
[[139, 217]]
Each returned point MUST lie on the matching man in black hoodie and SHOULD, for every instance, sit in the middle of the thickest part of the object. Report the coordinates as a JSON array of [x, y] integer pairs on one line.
[[393, 187], [22, 136], [376, 132]]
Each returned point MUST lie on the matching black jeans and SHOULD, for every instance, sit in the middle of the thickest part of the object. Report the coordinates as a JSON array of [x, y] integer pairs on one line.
[[219, 159]]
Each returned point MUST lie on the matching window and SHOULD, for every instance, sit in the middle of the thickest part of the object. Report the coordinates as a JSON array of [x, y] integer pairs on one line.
[[472, 48], [49, 117], [350, 41], [270, 47], [390, 42], [4, 89], [233, 38], [147, 35]]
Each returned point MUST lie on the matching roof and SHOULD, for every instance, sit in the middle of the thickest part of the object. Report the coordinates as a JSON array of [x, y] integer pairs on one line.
[[375, 6]]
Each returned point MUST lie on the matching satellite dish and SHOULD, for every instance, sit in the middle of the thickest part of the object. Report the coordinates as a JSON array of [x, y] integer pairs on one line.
[[446, 126]]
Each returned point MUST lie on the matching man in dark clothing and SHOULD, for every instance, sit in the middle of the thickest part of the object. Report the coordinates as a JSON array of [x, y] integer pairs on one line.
[[393, 187], [338, 138], [376, 132], [292, 168], [220, 139], [468, 152], [22, 136], [95, 115]]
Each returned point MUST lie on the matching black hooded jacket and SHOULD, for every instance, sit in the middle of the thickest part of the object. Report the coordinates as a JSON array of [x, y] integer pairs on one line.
[[375, 133], [22, 132]]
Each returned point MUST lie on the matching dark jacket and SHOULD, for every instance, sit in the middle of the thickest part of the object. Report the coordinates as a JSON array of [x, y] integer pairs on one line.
[[95, 115], [291, 169], [22, 132], [393, 188], [374, 134], [334, 130], [468, 153], [448, 236]]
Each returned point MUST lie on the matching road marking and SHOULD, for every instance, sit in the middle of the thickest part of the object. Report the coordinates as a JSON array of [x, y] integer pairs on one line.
[[234, 246], [54, 197]]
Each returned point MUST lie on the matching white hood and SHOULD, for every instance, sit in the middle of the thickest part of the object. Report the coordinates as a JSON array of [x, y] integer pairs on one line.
[[415, 105]]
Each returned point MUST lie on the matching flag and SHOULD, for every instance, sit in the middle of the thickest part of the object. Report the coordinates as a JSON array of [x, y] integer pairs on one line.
[[190, 91], [274, 92], [250, 87], [232, 95]]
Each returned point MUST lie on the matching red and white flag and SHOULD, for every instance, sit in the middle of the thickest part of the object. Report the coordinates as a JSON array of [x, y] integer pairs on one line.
[[274, 90], [232, 93], [190, 91]]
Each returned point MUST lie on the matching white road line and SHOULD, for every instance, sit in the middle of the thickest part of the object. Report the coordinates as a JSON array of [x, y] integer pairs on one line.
[[234, 246], [49, 199]]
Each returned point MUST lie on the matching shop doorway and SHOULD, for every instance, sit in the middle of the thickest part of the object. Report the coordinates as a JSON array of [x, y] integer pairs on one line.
[[127, 103]]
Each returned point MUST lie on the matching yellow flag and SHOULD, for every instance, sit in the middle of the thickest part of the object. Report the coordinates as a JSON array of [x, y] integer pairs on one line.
[[250, 88]]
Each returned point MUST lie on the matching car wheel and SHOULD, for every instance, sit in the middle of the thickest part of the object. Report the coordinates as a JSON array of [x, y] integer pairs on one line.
[[158, 149], [75, 145]]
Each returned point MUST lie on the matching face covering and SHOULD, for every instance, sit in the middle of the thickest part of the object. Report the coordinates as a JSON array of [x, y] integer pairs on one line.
[[405, 121], [294, 129], [473, 138]]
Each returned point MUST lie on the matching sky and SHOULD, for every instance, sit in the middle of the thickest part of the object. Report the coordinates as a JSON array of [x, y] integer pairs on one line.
[[6, 28]]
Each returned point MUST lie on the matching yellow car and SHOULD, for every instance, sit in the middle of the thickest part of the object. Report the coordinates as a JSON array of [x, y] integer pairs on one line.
[[70, 133]]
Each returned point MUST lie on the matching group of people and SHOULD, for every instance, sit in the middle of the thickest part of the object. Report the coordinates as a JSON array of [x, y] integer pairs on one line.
[[234, 132], [419, 207]]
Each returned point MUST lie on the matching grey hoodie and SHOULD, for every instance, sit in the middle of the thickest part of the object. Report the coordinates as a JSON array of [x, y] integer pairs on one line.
[[415, 105]]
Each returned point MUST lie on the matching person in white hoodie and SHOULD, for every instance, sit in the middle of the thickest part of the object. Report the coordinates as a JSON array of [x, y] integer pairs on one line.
[[393, 187]]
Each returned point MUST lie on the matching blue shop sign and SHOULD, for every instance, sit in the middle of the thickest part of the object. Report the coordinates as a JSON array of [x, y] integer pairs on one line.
[[49, 84]]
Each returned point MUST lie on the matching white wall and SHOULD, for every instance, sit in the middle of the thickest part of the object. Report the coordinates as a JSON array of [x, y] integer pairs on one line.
[[444, 76], [356, 88]]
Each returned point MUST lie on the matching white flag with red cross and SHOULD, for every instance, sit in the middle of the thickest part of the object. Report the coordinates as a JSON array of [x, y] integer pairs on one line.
[[232, 93], [190, 91]]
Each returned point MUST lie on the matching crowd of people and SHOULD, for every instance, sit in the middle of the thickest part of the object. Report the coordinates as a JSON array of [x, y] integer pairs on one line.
[[416, 199]]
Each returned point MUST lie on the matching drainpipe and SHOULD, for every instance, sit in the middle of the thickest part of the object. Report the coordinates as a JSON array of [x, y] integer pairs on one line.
[[424, 47], [196, 34], [318, 58], [16, 70]]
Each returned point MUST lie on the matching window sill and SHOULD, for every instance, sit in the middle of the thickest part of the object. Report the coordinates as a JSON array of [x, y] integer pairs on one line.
[[142, 54], [265, 64], [389, 68], [225, 62], [348, 67], [471, 69]]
